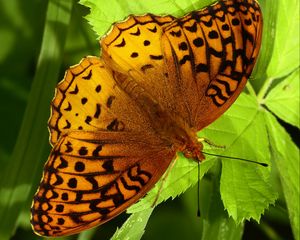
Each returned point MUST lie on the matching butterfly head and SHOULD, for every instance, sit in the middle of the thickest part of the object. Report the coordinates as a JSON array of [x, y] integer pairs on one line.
[[193, 150]]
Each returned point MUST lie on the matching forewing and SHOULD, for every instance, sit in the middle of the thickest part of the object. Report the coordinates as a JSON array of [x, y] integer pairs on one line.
[[90, 177], [134, 48], [210, 53], [89, 99]]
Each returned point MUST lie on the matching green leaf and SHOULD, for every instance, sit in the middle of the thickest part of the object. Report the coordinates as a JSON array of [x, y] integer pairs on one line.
[[286, 156], [283, 100], [33, 137], [103, 15], [285, 58], [245, 187], [216, 223], [243, 132], [134, 226]]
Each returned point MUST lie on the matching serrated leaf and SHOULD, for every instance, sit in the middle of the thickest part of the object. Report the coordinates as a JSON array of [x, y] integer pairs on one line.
[[216, 223], [103, 15], [232, 130], [283, 100], [245, 188], [285, 56], [134, 226], [286, 156]]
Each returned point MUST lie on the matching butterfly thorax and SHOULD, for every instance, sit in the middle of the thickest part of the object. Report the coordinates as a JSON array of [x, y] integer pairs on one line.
[[172, 129]]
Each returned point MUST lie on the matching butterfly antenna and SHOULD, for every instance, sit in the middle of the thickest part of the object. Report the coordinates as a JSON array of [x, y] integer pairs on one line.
[[241, 159], [198, 192]]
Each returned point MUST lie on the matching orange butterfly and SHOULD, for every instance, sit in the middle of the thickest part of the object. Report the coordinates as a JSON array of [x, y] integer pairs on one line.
[[118, 121]]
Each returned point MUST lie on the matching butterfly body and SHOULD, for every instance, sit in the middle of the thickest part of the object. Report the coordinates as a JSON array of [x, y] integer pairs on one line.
[[117, 121]]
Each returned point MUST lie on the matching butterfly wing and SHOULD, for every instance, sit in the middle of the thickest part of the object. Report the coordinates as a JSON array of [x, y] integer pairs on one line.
[[105, 153], [194, 66], [90, 177], [211, 54], [89, 99], [134, 48]]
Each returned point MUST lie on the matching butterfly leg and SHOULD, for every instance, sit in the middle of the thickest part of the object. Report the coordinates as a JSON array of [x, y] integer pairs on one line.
[[210, 142], [163, 181]]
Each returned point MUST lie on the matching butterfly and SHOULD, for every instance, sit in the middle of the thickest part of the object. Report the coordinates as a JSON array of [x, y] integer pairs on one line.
[[117, 121]]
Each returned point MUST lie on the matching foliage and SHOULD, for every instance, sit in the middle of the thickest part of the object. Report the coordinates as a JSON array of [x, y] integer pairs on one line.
[[249, 129]]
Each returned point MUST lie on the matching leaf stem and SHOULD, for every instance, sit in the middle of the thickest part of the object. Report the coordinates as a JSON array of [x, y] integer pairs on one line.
[[250, 89], [263, 91]]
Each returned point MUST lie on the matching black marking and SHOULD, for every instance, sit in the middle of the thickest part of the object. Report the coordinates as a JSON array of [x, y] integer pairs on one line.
[[84, 100], [134, 55], [248, 22], [137, 33], [115, 125], [108, 165], [122, 44], [209, 23], [183, 46], [129, 187], [201, 68], [154, 30], [146, 43], [194, 15], [76, 218], [147, 66], [138, 178], [63, 163], [103, 211], [75, 91], [156, 57], [225, 27], [65, 197], [72, 183], [60, 221], [69, 108], [59, 208], [185, 59], [118, 199], [225, 64], [88, 119], [80, 128], [198, 42], [98, 88], [97, 150], [176, 34], [94, 208], [227, 40], [54, 194], [76, 114], [68, 125], [79, 166], [141, 172], [226, 85], [93, 181], [192, 28], [216, 53], [59, 180], [88, 77], [218, 93], [213, 34], [109, 101], [235, 22], [98, 111], [78, 196], [236, 76], [83, 151]]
